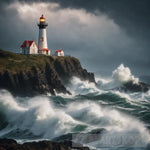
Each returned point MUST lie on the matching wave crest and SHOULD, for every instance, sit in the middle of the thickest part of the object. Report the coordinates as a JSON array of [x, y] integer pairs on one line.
[[123, 75]]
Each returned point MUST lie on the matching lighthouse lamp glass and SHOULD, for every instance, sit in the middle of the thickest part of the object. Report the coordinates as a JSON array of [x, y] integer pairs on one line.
[[42, 20]]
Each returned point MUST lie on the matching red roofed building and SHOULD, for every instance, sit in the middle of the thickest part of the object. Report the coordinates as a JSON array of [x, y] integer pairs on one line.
[[29, 47], [59, 52]]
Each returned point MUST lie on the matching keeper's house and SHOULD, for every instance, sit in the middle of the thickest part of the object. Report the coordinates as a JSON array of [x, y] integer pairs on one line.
[[59, 52], [29, 47]]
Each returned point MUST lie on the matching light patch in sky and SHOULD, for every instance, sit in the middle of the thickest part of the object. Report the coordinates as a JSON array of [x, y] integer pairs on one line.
[[56, 17]]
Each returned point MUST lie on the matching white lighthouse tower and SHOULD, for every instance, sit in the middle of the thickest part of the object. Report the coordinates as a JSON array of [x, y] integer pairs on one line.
[[42, 42]]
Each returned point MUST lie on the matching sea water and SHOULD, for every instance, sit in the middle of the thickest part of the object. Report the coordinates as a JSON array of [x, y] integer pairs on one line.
[[99, 116]]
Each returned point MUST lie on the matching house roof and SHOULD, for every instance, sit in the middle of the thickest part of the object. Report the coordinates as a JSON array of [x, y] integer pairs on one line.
[[45, 49], [27, 42], [59, 50]]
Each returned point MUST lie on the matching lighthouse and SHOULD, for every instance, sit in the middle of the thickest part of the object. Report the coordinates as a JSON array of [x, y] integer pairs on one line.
[[42, 41]]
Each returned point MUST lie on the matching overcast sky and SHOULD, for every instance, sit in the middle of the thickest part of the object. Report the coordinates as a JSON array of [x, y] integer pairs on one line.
[[101, 33]]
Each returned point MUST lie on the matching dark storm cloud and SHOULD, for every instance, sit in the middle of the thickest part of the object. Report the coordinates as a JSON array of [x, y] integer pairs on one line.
[[132, 16]]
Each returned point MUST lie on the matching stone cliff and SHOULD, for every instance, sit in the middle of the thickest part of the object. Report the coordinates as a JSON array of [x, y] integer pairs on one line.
[[30, 75]]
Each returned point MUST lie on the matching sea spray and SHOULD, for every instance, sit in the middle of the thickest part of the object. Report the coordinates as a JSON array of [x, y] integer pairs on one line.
[[77, 86], [123, 74], [120, 76]]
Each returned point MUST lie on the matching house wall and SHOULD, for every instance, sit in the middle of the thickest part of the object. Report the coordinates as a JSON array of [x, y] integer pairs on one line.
[[25, 50], [59, 53], [33, 48], [62, 53]]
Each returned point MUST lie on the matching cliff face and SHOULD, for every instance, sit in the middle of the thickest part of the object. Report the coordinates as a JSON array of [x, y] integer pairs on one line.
[[29, 75], [71, 67]]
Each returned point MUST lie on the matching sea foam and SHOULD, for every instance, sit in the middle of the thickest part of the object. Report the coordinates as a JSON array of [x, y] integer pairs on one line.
[[40, 117]]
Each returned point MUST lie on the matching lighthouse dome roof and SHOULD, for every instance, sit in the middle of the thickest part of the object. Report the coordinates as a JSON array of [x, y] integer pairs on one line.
[[42, 17]]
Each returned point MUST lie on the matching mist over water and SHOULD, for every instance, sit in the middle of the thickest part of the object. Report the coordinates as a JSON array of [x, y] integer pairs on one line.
[[90, 108]]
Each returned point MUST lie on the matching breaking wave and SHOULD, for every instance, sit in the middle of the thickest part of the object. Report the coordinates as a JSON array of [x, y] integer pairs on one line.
[[119, 76], [90, 108], [123, 74]]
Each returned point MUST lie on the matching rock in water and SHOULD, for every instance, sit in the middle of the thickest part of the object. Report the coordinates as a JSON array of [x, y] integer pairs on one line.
[[135, 87], [9, 144]]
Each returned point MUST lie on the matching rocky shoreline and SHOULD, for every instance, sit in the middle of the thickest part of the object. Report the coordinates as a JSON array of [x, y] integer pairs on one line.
[[10, 144]]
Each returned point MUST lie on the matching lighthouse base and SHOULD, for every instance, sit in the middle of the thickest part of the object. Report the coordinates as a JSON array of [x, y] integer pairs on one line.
[[44, 52]]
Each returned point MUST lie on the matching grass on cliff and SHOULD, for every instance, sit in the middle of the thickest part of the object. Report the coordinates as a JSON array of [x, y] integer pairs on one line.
[[18, 62]]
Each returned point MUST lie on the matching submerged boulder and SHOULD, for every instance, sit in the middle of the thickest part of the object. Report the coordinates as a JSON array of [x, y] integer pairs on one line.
[[135, 87]]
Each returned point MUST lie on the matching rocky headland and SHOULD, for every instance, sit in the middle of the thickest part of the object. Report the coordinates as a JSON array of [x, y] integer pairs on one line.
[[30, 75]]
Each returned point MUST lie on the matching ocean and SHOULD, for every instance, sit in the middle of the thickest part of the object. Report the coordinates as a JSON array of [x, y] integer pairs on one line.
[[98, 116]]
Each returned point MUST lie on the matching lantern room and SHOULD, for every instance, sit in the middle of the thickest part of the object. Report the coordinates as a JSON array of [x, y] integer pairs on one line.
[[42, 19]]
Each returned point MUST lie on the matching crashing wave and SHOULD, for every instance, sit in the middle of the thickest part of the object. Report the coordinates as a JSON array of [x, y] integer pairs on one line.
[[123, 75], [122, 79]]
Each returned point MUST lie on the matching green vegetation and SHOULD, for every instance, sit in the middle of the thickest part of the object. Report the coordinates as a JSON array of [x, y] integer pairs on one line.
[[17, 62]]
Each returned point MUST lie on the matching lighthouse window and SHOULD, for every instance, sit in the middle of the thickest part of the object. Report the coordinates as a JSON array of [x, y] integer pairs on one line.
[[42, 39]]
